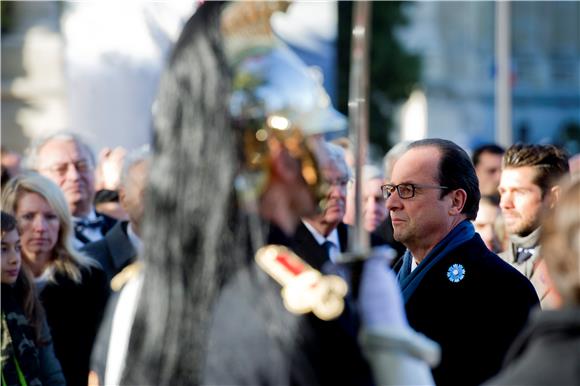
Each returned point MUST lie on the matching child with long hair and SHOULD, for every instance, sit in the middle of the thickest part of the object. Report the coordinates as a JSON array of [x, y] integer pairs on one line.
[[27, 352]]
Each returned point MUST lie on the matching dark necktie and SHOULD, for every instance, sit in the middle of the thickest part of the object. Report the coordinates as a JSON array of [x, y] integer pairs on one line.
[[524, 254], [327, 245], [82, 224], [348, 319]]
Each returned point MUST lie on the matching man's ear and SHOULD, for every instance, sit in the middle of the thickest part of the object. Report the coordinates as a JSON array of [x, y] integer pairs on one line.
[[458, 199], [553, 196]]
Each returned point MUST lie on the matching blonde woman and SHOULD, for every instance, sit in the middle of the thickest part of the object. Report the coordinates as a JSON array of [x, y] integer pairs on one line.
[[73, 289]]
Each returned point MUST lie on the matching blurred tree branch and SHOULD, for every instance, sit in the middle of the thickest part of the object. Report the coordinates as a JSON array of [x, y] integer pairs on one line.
[[394, 72]]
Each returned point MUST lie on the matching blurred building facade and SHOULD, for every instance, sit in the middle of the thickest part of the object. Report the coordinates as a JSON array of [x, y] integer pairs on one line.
[[42, 78], [93, 67], [33, 94], [88, 67], [456, 42]]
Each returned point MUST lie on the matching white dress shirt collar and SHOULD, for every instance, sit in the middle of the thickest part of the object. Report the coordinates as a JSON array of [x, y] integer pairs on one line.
[[134, 239], [320, 239]]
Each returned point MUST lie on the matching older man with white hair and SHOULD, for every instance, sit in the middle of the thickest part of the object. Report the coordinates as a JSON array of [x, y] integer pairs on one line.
[[68, 161]]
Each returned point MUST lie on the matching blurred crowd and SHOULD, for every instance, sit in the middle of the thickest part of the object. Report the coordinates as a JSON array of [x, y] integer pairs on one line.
[[71, 225], [479, 269]]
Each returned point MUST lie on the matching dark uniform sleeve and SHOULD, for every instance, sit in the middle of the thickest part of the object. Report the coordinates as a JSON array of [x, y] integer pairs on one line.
[[241, 351]]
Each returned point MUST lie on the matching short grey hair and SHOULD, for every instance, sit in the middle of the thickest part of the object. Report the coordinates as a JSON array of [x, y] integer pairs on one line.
[[31, 159], [372, 172], [393, 156], [136, 156], [336, 154]]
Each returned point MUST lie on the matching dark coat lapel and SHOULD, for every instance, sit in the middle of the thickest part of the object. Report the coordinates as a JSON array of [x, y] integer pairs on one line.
[[342, 229], [108, 224], [122, 251], [306, 246]]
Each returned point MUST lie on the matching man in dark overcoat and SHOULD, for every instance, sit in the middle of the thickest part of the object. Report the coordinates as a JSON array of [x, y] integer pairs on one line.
[[455, 290]]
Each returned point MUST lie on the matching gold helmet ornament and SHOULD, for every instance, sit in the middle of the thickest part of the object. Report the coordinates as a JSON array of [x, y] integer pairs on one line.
[[275, 96]]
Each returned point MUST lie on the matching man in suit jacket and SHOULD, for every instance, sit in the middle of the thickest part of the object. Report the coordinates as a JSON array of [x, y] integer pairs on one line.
[[321, 238], [121, 244], [317, 238], [117, 251], [455, 290], [68, 161]]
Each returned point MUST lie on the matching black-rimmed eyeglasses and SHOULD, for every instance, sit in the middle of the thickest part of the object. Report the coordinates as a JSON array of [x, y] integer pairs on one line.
[[406, 190]]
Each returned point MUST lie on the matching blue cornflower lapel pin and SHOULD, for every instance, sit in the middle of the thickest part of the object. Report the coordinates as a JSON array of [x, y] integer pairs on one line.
[[456, 273]]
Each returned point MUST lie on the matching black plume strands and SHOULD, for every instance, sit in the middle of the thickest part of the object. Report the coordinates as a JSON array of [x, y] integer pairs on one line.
[[191, 223]]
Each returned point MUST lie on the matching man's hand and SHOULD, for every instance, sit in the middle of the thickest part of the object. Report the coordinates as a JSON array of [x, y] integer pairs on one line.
[[109, 167]]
